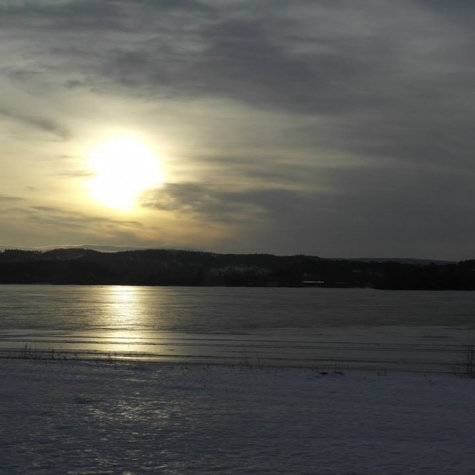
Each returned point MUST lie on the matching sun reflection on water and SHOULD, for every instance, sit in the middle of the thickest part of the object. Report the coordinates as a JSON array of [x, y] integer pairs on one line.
[[125, 318], [123, 308]]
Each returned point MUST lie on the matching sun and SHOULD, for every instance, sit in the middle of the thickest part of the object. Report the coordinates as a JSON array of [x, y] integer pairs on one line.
[[122, 168]]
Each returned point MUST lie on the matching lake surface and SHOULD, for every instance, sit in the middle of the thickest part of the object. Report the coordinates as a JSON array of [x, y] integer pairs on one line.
[[322, 328]]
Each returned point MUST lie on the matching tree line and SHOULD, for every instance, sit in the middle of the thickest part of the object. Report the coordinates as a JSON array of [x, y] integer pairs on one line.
[[193, 268]]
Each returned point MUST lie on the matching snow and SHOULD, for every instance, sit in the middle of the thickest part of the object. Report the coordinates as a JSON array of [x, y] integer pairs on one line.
[[85, 418]]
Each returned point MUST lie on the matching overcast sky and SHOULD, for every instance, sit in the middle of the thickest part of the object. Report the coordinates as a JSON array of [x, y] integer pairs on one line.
[[336, 128]]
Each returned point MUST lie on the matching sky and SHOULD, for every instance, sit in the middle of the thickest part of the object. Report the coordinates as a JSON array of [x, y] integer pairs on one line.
[[332, 128]]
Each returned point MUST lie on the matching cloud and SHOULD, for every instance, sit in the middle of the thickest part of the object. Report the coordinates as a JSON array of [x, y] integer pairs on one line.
[[63, 15], [215, 204], [384, 83], [206, 202], [325, 123], [52, 215], [360, 67], [41, 225], [40, 123], [76, 174], [392, 211], [10, 199]]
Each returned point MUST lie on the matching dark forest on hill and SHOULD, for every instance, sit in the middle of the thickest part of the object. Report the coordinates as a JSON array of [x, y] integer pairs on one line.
[[192, 268]]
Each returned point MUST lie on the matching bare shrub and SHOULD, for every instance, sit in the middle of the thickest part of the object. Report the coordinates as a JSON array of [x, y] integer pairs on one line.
[[466, 367]]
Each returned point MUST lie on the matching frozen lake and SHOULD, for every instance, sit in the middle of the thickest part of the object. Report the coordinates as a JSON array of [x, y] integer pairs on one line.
[[322, 328]]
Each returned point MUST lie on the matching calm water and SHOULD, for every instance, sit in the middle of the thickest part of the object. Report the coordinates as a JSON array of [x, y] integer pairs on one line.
[[224, 310], [282, 326]]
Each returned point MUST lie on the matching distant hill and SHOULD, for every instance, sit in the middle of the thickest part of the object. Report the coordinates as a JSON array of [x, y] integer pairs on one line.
[[194, 268]]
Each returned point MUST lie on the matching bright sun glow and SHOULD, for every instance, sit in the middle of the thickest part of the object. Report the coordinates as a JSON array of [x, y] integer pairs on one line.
[[123, 168]]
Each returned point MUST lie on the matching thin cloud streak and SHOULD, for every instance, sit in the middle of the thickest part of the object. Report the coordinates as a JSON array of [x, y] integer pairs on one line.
[[40, 123]]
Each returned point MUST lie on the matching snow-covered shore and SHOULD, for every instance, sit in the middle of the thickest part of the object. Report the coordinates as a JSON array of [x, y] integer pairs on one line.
[[134, 418]]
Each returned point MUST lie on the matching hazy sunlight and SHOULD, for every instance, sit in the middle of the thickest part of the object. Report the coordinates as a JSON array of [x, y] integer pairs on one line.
[[123, 168]]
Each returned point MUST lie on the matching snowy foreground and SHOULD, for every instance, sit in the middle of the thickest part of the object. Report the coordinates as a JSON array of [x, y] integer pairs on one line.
[[97, 418]]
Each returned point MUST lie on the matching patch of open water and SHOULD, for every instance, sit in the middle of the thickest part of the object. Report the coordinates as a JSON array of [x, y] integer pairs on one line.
[[322, 328]]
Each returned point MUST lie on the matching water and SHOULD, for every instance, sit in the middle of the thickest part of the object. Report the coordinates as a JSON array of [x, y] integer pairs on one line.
[[302, 327], [224, 310]]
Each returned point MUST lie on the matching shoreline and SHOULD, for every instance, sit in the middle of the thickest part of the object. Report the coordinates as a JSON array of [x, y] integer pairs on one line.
[[420, 349]]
